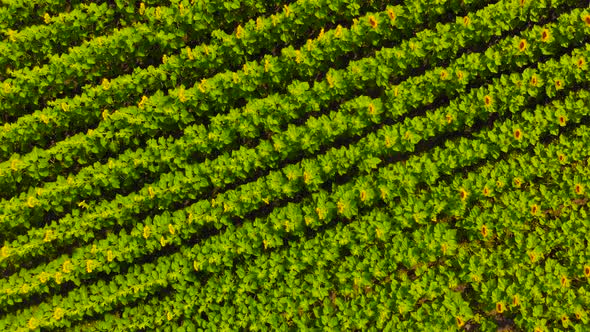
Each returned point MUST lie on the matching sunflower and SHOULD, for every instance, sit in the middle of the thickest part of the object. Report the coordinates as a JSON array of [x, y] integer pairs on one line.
[[545, 35], [522, 45]]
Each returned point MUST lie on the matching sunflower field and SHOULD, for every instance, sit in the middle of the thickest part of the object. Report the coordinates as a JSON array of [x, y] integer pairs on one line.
[[321, 165]]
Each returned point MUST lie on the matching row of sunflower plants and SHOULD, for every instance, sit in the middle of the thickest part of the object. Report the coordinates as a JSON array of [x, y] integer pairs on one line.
[[45, 238], [15, 161], [17, 164], [85, 63], [435, 123], [323, 249], [16, 14], [524, 277], [38, 161], [82, 111], [32, 45], [456, 195], [187, 65], [392, 181], [229, 87]]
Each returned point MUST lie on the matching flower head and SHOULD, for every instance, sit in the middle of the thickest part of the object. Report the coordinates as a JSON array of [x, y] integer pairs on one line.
[[373, 22], [463, 194], [522, 44], [484, 231], [545, 35]]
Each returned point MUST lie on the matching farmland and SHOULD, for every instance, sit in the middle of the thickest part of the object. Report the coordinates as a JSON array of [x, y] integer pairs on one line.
[[294, 165]]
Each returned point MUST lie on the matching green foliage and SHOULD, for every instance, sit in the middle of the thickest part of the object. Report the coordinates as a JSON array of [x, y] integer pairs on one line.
[[314, 164]]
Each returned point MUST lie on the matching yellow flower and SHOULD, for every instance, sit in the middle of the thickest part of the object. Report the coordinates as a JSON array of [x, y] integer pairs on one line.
[[373, 22], [460, 321], [109, 256], [338, 32], [320, 212], [558, 85], [25, 288], [32, 323], [522, 45], [287, 10], [142, 102], [239, 32], [545, 35], [181, 97], [151, 192], [563, 281], [58, 313], [146, 232], [48, 236], [202, 84], [89, 265], [14, 164], [259, 24], [47, 18], [43, 276], [171, 229], [67, 266], [391, 14], [484, 231], [466, 20], [463, 194], [534, 209], [363, 195], [341, 206], [515, 300], [31, 202], [5, 251]]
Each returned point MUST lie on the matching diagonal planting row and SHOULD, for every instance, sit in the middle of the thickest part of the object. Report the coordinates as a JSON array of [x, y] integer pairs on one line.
[[440, 117], [32, 200], [226, 89], [374, 228], [15, 14], [186, 65], [448, 117], [141, 282], [342, 207], [485, 183], [108, 56], [34, 44], [57, 206], [428, 245], [223, 91]]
